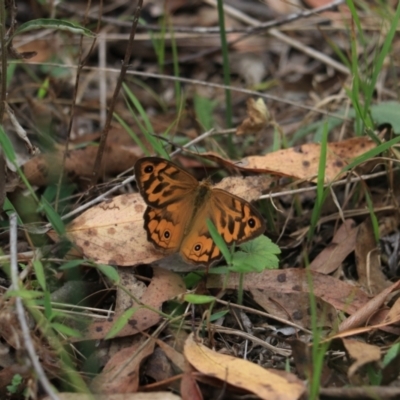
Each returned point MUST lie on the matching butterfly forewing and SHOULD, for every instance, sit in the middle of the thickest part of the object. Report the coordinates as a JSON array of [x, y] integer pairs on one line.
[[179, 206], [161, 182]]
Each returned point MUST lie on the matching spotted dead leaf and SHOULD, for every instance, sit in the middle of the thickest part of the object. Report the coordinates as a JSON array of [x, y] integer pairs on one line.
[[341, 295], [249, 188], [257, 117], [263, 382], [112, 232], [295, 307], [165, 285]]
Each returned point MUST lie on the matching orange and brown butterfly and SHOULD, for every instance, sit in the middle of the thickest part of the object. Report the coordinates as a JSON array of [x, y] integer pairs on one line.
[[179, 206]]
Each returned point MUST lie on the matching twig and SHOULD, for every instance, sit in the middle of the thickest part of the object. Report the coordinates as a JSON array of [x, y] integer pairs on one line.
[[121, 77], [284, 38], [21, 312], [215, 29], [72, 110], [3, 55], [203, 83], [313, 188]]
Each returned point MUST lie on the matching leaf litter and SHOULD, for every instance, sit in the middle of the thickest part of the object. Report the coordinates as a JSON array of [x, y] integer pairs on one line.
[[336, 289]]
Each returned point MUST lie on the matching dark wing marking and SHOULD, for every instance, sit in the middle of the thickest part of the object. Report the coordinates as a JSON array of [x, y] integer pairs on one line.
[[161, 182]]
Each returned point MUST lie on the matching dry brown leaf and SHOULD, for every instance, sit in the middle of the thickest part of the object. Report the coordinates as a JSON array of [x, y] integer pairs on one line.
[[301, 353], [123, 396], [362, 353], [121, 373], [165, 285], [302, 162], [265, 383], [295, 307], [394, 314], [45, 168], [248, 65], [257, 119], [343, 243], [159, 368], [249, 188], [189, 388], [172, 354], [341, 295], [363, 314], [44, 49], [368, 261], [131, 284], [283, 7], [378, 318]]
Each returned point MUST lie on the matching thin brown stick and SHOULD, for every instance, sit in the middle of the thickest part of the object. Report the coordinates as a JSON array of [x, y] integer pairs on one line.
[[110, 114], [73, 103]]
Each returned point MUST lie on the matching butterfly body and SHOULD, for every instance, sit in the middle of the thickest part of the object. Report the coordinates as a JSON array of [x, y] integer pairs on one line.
[[179, 206]]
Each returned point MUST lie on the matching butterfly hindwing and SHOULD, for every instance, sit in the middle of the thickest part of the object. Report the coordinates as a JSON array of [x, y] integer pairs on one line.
[[236, 220], [165, 226]]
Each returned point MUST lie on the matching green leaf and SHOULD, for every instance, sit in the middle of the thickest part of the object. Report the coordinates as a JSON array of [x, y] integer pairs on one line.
[[218, 315], [44, 89], [39, 271], [192, 279], [53, 217], [66, 330], [109, 271], [24, 294], [257, 255], [49, 23], [9, 208], [6, 145], [71, 264], [204, 111], [198, 298], [121, 322], [387, 112]]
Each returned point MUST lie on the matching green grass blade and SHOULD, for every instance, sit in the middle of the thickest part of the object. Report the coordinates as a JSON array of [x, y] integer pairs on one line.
[[219, 241], [321, 193]]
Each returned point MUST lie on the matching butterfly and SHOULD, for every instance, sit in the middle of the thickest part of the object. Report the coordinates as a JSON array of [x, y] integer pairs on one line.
[[178, 206]]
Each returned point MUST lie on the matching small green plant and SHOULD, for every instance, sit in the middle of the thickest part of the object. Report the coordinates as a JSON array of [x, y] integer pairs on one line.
[[204, 108], [254, 256], [15, 384]]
